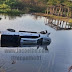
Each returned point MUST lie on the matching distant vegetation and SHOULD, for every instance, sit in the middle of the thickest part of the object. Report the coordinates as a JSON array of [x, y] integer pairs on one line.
[[29, 6], [22, 6]]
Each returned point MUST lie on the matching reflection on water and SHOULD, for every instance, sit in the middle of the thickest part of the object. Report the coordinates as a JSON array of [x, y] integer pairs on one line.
[[35, 45], [14, 17], [6, 66], [22, 59], [30, 50], [58, 24], [10, 17], [0, 18]]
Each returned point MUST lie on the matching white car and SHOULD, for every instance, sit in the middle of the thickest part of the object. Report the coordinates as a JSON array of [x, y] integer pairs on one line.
[[25, 37]]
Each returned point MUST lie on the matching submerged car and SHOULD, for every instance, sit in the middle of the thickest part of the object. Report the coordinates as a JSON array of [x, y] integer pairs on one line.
[[12, 38]]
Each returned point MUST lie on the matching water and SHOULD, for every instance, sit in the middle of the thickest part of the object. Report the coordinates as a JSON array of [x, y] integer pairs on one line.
[[56, 57]]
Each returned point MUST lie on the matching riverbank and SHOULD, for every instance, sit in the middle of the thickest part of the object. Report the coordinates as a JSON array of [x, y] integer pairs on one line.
[[55, 17], [13, 12]]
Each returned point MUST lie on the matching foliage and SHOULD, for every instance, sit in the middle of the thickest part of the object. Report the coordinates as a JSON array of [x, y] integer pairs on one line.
[[68, 3], [4, 6], [31, 5]]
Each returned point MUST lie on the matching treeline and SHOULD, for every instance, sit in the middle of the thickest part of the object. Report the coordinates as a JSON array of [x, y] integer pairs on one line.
[[34, 5], [22, 5], [30, 5], [56, 2]]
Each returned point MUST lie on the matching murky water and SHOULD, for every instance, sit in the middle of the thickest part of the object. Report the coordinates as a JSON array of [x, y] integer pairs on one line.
[[56, 57]]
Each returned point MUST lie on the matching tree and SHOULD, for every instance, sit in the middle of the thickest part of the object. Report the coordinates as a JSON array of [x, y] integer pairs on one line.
[[4, 6]]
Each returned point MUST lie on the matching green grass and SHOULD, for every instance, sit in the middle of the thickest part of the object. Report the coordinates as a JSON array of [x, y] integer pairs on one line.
[[70, 20]]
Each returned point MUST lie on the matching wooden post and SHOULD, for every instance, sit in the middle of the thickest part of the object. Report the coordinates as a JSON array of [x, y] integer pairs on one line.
[[68, 12], [59, 11], [53, 10], [62, 12]]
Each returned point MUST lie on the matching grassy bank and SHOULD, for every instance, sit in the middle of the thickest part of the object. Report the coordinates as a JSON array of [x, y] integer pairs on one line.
[[55, 17]]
